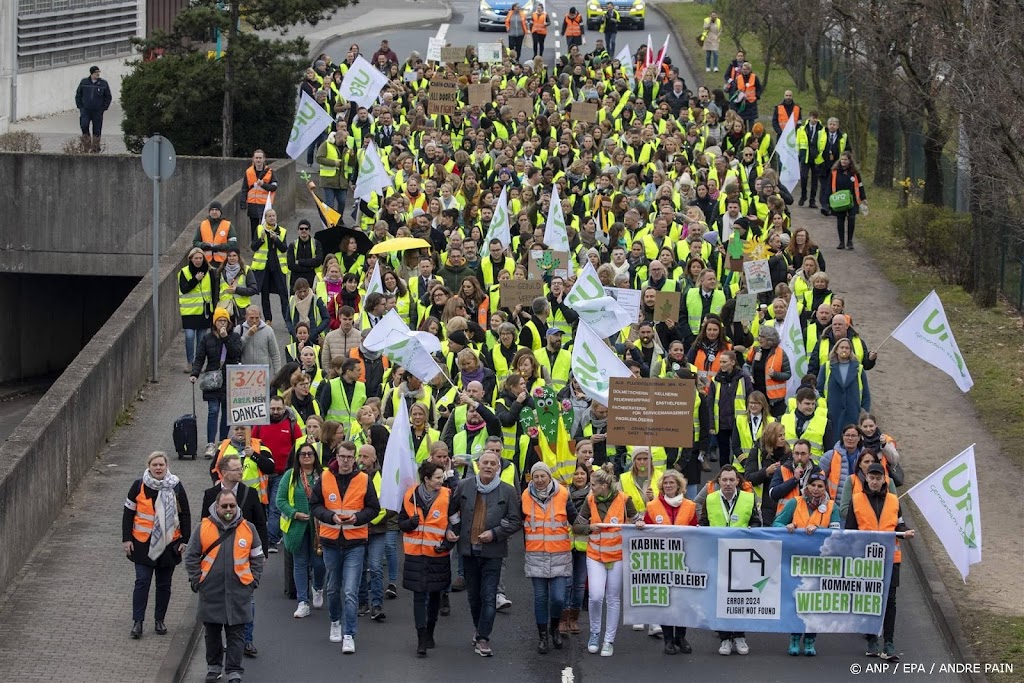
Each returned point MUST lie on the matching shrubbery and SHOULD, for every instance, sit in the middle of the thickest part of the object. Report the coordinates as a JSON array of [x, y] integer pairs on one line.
[[939, 238]]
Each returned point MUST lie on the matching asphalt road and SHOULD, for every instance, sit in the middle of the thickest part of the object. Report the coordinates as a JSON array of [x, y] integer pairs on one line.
[[14, 410], [298, 649]]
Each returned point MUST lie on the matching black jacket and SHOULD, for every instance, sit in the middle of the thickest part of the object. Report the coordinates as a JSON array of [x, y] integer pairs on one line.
[[423, 573], [301, 260], [249, 506], [140, 551], [208, 352], [93, 95]]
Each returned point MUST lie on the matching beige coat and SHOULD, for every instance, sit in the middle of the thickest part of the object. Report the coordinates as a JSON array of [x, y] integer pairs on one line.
[[712, 34]]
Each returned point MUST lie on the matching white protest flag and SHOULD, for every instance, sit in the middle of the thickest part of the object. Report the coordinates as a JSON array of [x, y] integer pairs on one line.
[[375, 285], [411, 350], [948, 499], [792, 343], [661, 56], [594, 364], [927, 334], [602, 313], [625, 58], [269, 206], [373, 177], [555, 236], [362, 83], [398, 473], [649, 55], [789, 157], [310, 120], [498, 229]]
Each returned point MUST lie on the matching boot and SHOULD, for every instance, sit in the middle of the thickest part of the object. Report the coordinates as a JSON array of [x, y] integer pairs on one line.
[[430, 634], [137, 630], [446, 606], [421, 642], [556, 634], [544, 644], [574, 622], [563, 622]]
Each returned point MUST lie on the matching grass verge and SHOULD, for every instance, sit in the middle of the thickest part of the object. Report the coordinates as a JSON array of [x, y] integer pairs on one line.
[[991, 340]]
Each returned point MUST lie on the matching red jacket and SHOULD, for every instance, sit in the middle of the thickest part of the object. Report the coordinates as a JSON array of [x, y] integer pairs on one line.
[[280, 438]]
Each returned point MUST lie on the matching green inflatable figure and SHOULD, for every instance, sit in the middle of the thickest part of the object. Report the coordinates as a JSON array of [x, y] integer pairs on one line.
[[549, 422]]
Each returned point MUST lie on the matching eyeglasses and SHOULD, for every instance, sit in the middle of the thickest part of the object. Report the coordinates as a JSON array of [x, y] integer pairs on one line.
[[307, 454], [346, 457], [227, 506], [304, 228]]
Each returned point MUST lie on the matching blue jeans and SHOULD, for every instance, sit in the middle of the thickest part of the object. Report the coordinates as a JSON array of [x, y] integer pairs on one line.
[[691, 491], [609, 42], [548, 599], [304, 559], [391, 550], [140, 596], [371, 587], [710, 59], [215, 409], [577, 583], [482, 575], [335, 198], [190, 345], [344, 568], [250, 628], [274, 518]]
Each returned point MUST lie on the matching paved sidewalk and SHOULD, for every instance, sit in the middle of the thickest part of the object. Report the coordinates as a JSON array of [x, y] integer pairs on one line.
[[365, 17]]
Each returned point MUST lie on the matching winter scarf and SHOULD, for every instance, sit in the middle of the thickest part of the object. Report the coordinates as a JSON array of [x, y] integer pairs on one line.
[[166, 512], [483, 488]]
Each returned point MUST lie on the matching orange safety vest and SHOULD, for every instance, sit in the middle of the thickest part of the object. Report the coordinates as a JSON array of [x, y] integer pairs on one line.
[[145, 517], [522, 19], [856, 186], [262, 483], [658, 512], [605, 544], [787, 474], [701, 359], [887, 521], [748, 89], [572, 26], [430, 532], [783, 117], [834, 473], [540, 23], [209, 532], [352, 503], [803, 518], [776, 389], [354, 353], [547, 526], [221, 237], [257, 195]]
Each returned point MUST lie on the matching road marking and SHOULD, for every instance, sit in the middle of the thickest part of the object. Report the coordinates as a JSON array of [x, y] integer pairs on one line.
[[567, 675]]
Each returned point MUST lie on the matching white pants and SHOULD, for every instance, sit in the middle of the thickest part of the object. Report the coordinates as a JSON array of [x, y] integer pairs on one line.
[[605, 585]]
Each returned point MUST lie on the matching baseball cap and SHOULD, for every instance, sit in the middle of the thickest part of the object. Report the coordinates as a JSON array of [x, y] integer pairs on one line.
[[875, 468]]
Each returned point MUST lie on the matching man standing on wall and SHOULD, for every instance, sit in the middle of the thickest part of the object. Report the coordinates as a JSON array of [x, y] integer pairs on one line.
[[92, 98], [258, 185]]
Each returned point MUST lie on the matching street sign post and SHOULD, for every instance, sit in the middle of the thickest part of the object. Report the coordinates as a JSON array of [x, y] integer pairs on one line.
[[158, 162]]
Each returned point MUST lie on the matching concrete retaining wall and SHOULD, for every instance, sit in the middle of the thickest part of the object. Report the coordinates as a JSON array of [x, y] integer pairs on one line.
[[92, 215], [54, 447]]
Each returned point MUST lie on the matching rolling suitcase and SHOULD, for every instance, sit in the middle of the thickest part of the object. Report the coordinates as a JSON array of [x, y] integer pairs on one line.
[[186, 435]]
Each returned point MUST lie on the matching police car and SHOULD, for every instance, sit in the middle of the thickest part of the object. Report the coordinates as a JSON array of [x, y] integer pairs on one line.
[[632, 12], [491, 14]]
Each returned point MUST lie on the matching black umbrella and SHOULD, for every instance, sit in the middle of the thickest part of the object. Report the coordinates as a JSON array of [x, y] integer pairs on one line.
[[331, 238]]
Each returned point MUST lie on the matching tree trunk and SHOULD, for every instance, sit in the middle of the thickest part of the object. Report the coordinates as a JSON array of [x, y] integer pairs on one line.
[[933, 142], [228, 113], [985, 238], [885, 162]]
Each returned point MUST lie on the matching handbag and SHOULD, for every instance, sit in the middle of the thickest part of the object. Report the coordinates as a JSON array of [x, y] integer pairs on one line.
[[213, 380], [841, 200]]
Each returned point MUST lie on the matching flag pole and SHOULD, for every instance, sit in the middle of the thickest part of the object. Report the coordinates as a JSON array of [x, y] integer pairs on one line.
[[445, 374]]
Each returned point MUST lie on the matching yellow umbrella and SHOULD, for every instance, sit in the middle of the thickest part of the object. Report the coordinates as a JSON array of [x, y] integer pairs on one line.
[[400, 244]]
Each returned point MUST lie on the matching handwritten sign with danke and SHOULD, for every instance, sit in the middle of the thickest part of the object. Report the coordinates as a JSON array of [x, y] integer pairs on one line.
[[443, 95], [248, 394]]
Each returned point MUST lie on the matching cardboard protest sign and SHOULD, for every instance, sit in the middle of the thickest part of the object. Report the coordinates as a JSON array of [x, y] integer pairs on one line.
[[759, 276], [584, 111], [443, 96], [544, 263], [453, 55], [248, 390], [651, 412], [480, 93], [520, 104], [746, 307], [666, 306], [523, 292], [489, 53]]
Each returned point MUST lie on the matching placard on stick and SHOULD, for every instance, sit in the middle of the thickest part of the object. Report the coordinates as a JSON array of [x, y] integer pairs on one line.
[[746, 307], [666, 306], [480, 93], [759, 276], [489, 53], [522, 292], [651, 412], [443, 96], [248, 394], [520, 104], [453, 55], [584, 111], [547, 262]]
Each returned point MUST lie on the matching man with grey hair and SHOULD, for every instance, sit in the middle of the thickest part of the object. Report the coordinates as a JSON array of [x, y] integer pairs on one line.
[[259, 345]]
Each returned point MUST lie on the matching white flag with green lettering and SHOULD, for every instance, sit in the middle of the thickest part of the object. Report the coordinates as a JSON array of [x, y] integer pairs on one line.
[[948, 499], [411, 350], [499, 229], [375, 285], [602, 313], [310, 120], [789, 156], [398, 473], [927, 334], [373, 177], [362, 83], [555, 236], [594, 364], [792, 343]]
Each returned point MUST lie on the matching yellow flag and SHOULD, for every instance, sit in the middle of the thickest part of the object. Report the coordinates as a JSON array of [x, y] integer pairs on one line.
[[329, 216]]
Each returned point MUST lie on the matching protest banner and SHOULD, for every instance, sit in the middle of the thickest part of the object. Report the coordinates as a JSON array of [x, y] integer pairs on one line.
[[248, 389], [584, 111], [520, 104], [523, 292], [443, 96], [488, 53], [434, 47], [629, 299], [666, 306], [546, 263], [480, 93], [453, 55], [759, 276], [651, 412], [746, 308], [733, 579]]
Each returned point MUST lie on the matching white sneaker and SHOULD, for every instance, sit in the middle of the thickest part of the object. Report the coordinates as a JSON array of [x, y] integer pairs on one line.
[[335, 631], [348, 646], [654, 631], [741, 646], [707, 69], [318, 598], [725, 648], [210, 450], [716, 69], [502, 603], [607, 650], [302, 610], [638, 627]]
